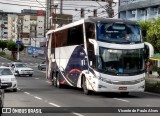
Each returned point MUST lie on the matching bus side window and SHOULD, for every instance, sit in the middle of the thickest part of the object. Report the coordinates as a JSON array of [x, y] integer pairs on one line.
[[75, 35]]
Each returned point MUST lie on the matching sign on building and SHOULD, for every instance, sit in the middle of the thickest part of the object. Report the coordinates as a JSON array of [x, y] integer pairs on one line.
[[61, 18]]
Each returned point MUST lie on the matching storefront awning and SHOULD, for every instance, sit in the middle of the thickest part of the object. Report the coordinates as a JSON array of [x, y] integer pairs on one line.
[[155, 57]]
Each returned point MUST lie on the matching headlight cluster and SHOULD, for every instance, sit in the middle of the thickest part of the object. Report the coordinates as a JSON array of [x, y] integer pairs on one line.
[[105, 80]]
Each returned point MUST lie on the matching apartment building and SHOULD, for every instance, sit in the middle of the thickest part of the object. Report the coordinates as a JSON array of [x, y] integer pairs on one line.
[[139, 9], [3, 25], [27, 26]]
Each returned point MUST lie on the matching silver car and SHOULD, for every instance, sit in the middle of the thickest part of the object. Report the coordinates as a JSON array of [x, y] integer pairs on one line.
[[42, 65]]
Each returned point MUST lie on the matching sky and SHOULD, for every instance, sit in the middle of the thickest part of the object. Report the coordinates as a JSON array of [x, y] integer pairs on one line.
[[6, 6]]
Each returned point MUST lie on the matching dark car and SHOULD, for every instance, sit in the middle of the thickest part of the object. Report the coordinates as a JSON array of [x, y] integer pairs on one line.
[[42, 65]]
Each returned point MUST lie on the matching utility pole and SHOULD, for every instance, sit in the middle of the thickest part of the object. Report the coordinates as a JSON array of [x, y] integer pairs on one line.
[[61, 7], [82, 12], [95, 12], [110, 10]]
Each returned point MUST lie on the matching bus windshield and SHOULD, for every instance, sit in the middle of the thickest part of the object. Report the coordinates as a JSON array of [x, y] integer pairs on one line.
[[118, 33], [114, 61]]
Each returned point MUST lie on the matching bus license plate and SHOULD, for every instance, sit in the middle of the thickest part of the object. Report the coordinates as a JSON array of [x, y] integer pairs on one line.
[[122, 88]]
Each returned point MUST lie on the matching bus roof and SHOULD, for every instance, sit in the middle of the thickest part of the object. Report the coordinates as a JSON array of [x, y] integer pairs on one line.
[[94, 20]]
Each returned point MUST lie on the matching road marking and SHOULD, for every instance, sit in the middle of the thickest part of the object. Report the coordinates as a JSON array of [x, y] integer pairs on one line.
[[27, 93], [48, 82], [54, 104], [77, 114], [36, 78], [121, 99], [148, 105], [37, 97]]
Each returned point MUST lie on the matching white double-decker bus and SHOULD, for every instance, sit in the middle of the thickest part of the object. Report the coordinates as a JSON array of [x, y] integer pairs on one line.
[[97, 54]]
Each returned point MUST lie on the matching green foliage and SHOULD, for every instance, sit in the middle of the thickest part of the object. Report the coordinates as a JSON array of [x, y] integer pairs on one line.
[[144, 27], [153, 87], [12, 46], [151, 33], [3, 44], [2, 53]]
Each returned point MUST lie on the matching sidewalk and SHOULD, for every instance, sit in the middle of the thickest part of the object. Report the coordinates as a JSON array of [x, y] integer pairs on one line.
[[152, 78]]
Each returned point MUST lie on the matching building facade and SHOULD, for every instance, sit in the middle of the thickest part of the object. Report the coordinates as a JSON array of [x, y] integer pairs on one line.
[[27, 26], [140, 10]]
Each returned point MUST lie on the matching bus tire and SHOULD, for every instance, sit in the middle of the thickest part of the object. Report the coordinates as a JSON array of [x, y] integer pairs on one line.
[[58, 81], [84, 85]]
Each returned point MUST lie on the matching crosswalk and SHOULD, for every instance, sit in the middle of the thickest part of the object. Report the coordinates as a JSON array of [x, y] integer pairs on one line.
[[27, 64]]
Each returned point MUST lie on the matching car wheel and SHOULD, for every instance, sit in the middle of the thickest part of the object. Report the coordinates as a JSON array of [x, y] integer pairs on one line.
[[30, 75], [18, 74], [15, 90]]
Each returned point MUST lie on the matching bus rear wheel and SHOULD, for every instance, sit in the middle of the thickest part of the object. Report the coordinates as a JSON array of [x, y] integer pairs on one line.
[[58, 81], [84, 85]]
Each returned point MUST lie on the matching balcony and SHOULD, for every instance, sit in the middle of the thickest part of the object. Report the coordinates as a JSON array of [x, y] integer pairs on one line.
[[33, 22]]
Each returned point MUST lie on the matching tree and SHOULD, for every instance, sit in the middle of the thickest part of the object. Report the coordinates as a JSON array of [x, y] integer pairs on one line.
[[144, 27], [12, 46], [151, 33], [3, 44]]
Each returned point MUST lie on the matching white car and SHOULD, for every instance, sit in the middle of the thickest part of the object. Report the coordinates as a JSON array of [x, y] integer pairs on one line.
[[7, 78], [21, 69]]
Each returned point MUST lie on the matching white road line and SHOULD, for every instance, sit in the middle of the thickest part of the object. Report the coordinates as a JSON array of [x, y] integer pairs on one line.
[[121, 99], [36, 78], [54, 104], [148, 105], [48, 82], [37, 97], [77, 114], [27, 93]]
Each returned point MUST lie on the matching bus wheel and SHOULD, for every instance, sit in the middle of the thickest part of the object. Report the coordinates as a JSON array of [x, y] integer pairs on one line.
[[84, 85], [57, 81], [124, 93]]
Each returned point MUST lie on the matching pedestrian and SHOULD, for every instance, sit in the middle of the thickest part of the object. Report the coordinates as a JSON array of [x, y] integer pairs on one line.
[[148, 66]]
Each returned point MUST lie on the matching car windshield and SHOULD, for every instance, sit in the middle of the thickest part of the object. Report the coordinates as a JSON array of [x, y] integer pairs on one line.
[[115, 61], [118, 33], [20, 65], [5, 72]]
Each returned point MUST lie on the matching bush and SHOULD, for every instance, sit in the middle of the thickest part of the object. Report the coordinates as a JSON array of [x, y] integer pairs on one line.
[[152, 86], [2, 53]]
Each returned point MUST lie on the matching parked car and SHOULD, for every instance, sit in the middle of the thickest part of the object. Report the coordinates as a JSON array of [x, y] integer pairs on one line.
[[8, 79], [42, 65], [21, 69]]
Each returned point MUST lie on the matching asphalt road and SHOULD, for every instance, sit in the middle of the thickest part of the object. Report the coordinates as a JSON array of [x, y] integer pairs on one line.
[[36, 91]]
